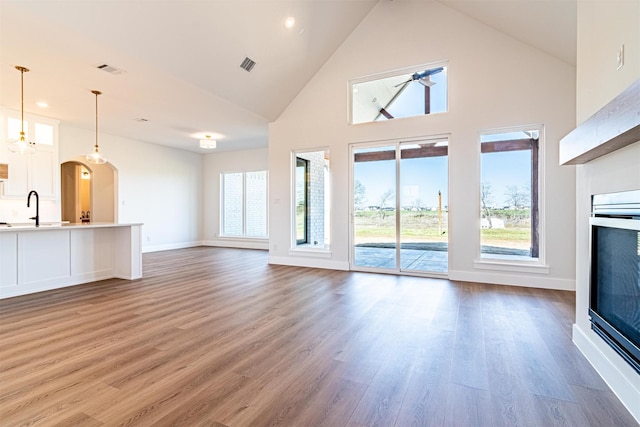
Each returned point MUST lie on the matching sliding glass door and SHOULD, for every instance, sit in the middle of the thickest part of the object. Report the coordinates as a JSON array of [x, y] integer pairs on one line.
[[400, 206], [424, 206], [374, 199]]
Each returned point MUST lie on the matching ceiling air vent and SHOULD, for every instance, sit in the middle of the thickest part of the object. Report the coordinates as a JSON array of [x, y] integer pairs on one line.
[[247, 64], [110, 69]]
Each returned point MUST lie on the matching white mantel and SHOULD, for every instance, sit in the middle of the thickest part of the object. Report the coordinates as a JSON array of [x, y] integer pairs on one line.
[[55, 256]]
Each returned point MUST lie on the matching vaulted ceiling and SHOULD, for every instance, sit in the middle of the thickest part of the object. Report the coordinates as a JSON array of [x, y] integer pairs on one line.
[[178, 61]]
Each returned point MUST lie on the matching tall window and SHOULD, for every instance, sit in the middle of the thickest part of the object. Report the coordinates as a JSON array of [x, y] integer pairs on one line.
[[509, 195], [303, 207], [244, 204]]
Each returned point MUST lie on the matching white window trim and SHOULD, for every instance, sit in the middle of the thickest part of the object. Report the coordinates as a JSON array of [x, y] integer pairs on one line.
[[294, 249], [534, 265], [382, 143], [391, 73], [311, 252]]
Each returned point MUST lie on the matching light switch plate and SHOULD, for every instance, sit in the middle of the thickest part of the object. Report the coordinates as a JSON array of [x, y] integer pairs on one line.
[[620, 57]]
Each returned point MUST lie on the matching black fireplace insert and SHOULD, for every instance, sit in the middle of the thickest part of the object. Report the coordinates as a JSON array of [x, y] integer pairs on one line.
[[614, 305]]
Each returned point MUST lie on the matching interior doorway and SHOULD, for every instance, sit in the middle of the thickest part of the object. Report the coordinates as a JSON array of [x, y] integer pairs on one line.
[[89, 192]]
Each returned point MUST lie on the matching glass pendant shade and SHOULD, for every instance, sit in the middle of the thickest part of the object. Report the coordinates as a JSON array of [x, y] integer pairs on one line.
[[21, 145], [95, 156]]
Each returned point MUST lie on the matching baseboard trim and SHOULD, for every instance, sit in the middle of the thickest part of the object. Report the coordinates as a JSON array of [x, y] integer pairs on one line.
[[514, 280], [169, 246], [620, 384], [240, 244]]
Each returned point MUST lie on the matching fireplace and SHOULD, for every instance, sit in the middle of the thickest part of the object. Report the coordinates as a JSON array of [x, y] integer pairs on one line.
[[614, 305]]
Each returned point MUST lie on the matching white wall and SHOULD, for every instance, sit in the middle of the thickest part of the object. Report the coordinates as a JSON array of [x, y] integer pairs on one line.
[[15, 210], [494, 81], [214, 165], [158, 186], [602, 28]]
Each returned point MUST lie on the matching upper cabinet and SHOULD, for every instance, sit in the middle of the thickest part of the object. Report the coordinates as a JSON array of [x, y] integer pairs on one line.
[[26, 172]]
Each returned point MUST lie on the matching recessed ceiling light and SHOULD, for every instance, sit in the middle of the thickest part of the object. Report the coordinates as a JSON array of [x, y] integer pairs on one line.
[[290, 22], [42, 104]]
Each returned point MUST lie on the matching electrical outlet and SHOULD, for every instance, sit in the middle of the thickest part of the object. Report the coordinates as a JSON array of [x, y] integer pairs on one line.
[[620, 57]]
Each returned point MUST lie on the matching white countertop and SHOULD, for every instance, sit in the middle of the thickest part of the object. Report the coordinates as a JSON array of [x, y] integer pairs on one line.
[[30, 226]]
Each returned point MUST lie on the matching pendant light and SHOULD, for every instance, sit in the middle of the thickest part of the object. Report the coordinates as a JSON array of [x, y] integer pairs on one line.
[[21, 146], [95, 157]]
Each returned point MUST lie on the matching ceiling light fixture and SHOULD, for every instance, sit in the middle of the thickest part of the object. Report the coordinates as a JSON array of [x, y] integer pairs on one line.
[[21, 146], [95, 157], [290, 22], [208, 143]]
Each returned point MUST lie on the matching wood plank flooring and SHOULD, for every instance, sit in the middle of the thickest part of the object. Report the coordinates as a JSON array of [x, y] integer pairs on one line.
[[217, 337]]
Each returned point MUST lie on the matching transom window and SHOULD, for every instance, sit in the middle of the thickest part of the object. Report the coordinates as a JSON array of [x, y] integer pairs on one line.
[[42, 133], [406, 93]]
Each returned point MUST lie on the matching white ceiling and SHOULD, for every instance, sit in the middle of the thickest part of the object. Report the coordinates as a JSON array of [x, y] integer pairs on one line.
[[182, 59]]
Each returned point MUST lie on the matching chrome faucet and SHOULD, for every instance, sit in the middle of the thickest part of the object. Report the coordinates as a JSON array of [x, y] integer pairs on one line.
[[37, 217]]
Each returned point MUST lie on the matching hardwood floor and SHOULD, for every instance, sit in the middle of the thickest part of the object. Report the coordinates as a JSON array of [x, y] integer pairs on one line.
[[217, 337]]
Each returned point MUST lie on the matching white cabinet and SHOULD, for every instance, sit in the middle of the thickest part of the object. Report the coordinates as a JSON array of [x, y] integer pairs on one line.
[[38, 171], [40, 259], [44, 172], [16, 183]]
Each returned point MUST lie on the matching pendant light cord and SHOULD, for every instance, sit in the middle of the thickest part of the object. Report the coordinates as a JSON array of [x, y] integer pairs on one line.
[[96, 93], [96, 147], [22, 71], [22, 101]]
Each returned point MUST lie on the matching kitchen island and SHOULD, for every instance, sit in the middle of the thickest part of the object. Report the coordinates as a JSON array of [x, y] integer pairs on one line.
[[35, 259]]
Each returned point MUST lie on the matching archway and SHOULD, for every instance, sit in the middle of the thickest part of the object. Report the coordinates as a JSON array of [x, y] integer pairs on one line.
[[89, 192]]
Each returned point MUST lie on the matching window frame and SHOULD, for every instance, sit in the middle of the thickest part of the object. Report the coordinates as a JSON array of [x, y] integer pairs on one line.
[[394, 73], [534, 264], [310, 249], [300, 162], [244, 206]]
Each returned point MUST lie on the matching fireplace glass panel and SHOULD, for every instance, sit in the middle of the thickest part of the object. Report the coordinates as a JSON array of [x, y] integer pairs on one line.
[[616, 276]]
